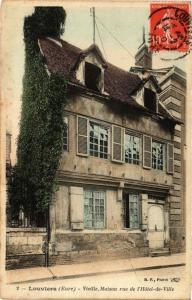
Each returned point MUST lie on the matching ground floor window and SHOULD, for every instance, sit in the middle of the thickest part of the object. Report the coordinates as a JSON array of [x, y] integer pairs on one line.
[[94, 209], [131, 211]]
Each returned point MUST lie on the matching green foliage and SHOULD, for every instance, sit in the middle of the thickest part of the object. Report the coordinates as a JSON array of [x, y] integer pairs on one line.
[[41, 126], [45, 22]]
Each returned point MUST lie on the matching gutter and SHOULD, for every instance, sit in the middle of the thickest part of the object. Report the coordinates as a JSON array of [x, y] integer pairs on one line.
[[134, 106]]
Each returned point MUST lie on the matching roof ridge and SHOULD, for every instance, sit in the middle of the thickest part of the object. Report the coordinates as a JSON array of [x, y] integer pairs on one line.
[[84, 50], [62, 42], [133, 75], [65, 42]]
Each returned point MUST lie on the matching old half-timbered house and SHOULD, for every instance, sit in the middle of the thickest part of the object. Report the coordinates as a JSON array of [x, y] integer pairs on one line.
[[121, 191]]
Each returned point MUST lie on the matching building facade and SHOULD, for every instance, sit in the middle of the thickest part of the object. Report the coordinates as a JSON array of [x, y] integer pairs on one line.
[[121, 174]]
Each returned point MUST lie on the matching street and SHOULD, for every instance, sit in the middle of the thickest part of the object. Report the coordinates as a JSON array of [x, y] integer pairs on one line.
[[169, 282]]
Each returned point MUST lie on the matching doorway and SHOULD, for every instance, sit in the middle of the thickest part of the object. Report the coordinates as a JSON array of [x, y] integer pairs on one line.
[[156, 226]]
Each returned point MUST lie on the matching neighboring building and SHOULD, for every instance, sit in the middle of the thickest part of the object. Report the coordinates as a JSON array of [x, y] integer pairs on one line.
[[8, 172], [121, 175], [172, 81]]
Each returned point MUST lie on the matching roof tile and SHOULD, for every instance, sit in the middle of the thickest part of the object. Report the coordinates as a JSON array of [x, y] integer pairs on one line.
[[119, 84]]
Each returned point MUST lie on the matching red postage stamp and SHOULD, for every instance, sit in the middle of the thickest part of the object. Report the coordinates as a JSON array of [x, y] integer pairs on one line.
[[169, 27]]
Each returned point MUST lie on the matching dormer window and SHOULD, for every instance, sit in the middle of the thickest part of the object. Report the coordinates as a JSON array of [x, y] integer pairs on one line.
[[150, 100], [92, 77]]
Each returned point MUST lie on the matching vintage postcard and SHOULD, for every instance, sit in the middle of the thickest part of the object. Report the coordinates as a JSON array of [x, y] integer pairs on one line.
[[96, 149]]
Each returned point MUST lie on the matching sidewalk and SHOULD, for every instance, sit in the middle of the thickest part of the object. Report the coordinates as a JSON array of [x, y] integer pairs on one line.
[[95, 268]]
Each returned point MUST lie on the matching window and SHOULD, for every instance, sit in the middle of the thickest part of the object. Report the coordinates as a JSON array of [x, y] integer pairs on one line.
[[157, 155], [150, 100], [94, 209], [98, 140], [65, 134], [131, 211], [92, 77], [132, 149]]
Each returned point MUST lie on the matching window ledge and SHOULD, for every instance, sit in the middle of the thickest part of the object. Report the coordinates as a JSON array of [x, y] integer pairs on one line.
[[100, 158], [26, 229], [101, 231], [158, 171], [130, 230]]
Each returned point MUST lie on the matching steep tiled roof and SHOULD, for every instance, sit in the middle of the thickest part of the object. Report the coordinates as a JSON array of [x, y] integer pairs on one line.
[[120, 84], [62, 57]]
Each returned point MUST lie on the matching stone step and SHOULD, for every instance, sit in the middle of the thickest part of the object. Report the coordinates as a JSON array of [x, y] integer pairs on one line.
[[159, 252]]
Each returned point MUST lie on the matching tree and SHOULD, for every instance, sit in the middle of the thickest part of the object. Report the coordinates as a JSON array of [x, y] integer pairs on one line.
[[42, 122]]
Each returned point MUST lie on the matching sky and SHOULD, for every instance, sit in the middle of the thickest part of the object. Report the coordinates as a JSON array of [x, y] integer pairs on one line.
[[124, 22]]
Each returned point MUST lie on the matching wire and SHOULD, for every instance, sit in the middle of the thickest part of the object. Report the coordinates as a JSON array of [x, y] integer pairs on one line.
[[101, 40], [114, 36]]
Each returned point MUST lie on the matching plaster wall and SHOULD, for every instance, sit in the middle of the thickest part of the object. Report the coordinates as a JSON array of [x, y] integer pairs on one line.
[[62, 207]]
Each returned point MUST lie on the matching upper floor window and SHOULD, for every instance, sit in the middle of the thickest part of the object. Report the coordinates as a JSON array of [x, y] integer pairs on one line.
[[94, 209], [158, 155], [98, 140], [132, 149], [92, 77], [150, 100], [65, 134]]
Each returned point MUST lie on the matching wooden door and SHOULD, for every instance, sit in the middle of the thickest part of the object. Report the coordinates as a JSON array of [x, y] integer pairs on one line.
[[156, 225]]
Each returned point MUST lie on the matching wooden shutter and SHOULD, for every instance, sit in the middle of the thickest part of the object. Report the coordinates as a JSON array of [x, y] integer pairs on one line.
[[76, 207], [170, 158], [134, 211], [82, 136], [147, 156], [118, 143]]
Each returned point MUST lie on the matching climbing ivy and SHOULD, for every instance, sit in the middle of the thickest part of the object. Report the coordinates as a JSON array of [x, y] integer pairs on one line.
[[40, 139]]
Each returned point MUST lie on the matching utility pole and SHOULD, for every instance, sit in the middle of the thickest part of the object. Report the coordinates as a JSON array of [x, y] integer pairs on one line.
[[46, 244], [93, 10]]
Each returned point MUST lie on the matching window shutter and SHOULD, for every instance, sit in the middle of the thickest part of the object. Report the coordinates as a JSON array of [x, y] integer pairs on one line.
[[134, 211], [82, 136], [147, 145], [118, 143], [76, 207], [170, 160]]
